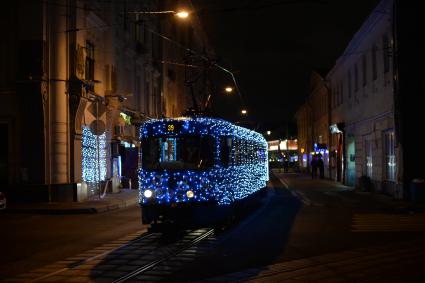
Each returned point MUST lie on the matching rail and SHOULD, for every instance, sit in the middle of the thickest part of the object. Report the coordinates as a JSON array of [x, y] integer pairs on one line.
[[158, 261]]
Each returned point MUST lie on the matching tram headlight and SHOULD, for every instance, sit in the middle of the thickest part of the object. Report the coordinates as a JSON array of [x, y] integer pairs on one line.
[[190, 194], [148, 193]]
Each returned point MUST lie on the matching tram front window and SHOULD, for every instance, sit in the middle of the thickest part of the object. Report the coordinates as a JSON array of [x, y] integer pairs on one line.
[[178, 153]]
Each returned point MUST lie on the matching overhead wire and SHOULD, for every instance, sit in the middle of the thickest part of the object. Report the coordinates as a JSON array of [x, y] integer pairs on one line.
[[164, 37]]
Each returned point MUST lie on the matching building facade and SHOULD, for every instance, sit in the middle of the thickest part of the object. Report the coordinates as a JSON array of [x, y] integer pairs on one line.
[[363, 100], [304, 136], [357, 96], [77, 80], [312, 121], [184, 83]]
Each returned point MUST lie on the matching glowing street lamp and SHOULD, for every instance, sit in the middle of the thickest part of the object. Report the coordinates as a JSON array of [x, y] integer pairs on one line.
[[228, 89], [268, 133], [182, 14], [244, 112]]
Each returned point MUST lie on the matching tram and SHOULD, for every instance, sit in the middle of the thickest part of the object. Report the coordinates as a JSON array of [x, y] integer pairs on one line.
[[195, 168]]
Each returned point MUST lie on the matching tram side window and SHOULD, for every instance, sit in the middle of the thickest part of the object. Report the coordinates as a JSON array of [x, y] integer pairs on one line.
[[246, 151], [242, 152], [238, 148], [174, 153], [207, 153], [150, 152], [255, 153], [225, 146], [250, 152], [261, 154]]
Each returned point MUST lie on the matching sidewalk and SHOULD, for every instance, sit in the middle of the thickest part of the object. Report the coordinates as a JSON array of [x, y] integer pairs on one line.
[[111, 201], [298, 183]]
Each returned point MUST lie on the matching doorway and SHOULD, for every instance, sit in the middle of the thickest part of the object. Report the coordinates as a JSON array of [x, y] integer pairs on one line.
[[351, 163]]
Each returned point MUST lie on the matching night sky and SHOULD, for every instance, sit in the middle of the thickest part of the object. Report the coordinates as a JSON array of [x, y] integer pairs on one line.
[[273, 46]]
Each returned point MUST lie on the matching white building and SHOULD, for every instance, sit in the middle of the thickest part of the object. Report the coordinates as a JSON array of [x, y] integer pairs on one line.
[[362, 100]]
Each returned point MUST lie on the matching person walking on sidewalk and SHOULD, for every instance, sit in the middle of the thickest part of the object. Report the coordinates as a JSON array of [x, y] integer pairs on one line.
[[321, 166], [314, 167], [285, 164]]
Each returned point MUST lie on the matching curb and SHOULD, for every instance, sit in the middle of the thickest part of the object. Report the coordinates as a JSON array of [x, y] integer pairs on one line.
[[88, 210], [64, 211]]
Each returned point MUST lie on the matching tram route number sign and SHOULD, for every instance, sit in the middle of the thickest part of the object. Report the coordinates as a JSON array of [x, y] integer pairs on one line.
[[172, 128]]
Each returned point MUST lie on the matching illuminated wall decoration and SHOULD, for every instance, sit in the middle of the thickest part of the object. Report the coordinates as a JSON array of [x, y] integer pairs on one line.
[[247, 171], [93, 162]]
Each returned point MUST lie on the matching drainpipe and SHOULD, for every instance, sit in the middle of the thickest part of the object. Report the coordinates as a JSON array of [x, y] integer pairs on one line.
[[329, 112]]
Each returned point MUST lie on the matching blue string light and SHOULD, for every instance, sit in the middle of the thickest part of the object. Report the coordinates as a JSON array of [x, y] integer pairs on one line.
[[90, 160], [246, 173]]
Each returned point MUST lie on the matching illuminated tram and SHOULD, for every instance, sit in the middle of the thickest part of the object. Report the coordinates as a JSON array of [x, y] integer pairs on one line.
[[194, 167]]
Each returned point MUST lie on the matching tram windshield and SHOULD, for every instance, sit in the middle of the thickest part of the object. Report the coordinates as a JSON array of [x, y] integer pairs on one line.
[[177, 153]]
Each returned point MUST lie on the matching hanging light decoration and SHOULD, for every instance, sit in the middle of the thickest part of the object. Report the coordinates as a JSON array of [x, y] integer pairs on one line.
[[93, 156]]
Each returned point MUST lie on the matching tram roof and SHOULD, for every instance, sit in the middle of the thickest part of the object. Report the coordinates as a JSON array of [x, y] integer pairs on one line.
[[201, 125]]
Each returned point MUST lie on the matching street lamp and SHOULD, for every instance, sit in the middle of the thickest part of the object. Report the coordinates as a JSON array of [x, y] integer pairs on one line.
[[268, 133], [181, 14], [228, 89], [244, 112]]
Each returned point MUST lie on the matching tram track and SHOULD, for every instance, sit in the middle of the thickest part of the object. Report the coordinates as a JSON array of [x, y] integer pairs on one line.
[[92, 258], [157, 262], [134, 260]]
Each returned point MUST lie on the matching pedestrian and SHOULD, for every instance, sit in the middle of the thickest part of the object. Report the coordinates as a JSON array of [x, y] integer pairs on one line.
[[314, 167], [321, 166], [285, 164]]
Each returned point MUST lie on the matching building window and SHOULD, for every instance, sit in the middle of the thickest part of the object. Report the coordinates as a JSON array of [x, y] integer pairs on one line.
[[374, 66], [349, 84], [89, 71], [155, 100], [364, 67], [386, 53], [390, 161], [148, 109], [124, 15], [369, 163], [336, 94], [356, 78], [139, 29]]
